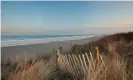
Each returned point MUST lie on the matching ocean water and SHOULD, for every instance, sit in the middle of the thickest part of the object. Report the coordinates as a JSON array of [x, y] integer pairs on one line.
[[14, 40]]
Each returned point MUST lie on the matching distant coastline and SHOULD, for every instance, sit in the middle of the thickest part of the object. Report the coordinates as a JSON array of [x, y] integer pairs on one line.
[[16, 40]]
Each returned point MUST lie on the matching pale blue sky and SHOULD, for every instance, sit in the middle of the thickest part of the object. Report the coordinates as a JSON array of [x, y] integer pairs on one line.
[[66, 17]]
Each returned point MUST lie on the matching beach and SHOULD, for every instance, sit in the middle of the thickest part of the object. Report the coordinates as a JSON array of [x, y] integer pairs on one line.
[[41, 49]]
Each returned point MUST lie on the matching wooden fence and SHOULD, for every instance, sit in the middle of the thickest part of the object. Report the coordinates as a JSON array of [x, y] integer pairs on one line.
[[78, 63]]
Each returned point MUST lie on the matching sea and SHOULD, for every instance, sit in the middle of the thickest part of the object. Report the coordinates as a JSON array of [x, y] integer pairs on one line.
[[15, 40]]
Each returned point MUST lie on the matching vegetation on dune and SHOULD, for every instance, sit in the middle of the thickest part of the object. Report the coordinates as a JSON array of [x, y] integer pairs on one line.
[[122, 43], [110, 58]]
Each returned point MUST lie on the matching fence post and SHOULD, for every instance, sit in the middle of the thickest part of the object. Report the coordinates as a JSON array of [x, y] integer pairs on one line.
[[97, 52], [84, 61]]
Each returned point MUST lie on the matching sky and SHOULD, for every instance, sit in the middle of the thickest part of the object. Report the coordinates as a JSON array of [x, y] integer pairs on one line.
[[61, 17]]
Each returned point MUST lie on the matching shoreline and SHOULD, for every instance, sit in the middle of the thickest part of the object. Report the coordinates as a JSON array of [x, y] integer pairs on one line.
[[41, 48], [28, 41]]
